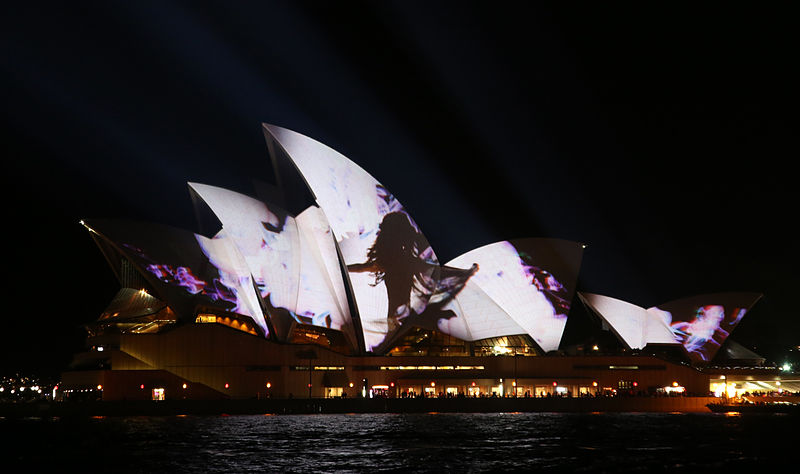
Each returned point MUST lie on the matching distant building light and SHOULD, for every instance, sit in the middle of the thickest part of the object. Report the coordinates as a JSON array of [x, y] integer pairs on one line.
[[501, 349], [269, 385], [100, 349], [206, 318], [184, 386], [99, 387], [595, 348], [227, 386]]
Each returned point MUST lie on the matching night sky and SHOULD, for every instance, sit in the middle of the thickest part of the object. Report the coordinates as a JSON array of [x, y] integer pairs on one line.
[[663, 137]]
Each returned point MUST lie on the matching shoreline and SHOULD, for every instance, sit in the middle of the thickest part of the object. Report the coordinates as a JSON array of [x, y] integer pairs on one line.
[[358, 405]]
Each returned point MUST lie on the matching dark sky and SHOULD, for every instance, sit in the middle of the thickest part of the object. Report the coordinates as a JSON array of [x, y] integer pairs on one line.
[[663, 137]]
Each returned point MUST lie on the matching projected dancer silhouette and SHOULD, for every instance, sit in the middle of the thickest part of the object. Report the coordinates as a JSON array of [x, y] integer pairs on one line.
[[397, 258]]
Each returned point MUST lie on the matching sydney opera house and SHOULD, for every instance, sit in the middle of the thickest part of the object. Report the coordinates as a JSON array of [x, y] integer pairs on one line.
[[325, 286]]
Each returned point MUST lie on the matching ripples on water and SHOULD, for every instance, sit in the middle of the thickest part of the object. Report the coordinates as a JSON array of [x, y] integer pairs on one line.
[[405, 442]]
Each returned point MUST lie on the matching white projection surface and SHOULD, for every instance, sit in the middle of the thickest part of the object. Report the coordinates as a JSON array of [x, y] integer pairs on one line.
[[635, 325], [293, 264], [702, 323], [390, 264], [699, 323], [234, 273], [520, 294], [191, 268]]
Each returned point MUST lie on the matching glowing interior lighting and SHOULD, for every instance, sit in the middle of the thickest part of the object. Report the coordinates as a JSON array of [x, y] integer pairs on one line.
[[184, 386], [99, 387], [269, 385]]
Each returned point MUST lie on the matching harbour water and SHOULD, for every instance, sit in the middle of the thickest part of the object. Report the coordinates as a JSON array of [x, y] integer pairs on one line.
[[431, 442]]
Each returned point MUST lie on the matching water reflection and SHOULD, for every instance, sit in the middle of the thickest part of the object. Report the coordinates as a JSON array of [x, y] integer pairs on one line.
[[402, 442]]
